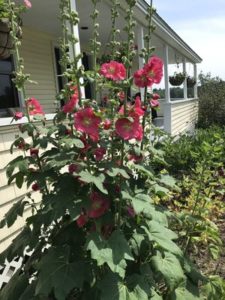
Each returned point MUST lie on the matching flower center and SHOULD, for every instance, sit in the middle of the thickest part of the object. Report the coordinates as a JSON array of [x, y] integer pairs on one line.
[[87, 121], [111, 70]]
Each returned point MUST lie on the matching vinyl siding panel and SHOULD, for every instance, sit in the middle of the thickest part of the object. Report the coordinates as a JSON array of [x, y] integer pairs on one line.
[[183, 116], [37, 51], [9, 194]]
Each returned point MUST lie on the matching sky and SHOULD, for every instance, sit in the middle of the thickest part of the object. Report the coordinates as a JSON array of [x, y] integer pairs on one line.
[[201, 24]]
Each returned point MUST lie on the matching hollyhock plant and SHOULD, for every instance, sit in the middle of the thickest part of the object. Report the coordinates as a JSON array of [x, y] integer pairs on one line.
[[129, 129], [121, 95], [113, 70], [107, 124], [35, 187], [99, 205], [34, 152], [70, 105], [34, 107], [87, 122]]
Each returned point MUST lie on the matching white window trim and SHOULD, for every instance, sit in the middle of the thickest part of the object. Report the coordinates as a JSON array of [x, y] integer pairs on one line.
[[8, 121]]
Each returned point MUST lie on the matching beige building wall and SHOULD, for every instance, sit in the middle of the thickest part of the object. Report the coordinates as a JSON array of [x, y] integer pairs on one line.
[[38, 53], [9, 194]]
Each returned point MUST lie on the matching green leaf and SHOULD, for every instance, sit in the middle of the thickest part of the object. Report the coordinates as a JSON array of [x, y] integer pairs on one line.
[[143, 170], [19, 162], [215, 288], [168, 180], [169, 267], [181, 293], [57, 273], [162, 236], [96, 180], [29, 292], [16, 210], [15, 287], [140, 202], [112, 288], [70, 142], [113, 172], [113, 252]]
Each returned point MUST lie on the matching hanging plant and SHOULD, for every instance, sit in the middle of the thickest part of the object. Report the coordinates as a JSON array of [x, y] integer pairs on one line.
[[191, 81], [177, 79], [6, 19]]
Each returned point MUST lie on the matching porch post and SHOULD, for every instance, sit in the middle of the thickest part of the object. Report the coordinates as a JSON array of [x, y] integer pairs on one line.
[[141, 45], [185, 80], [166, 73], [75, 48], [167, 105], [196, 78]]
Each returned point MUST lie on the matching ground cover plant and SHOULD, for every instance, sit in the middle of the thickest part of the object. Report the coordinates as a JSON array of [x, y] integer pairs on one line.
[[101, 230]]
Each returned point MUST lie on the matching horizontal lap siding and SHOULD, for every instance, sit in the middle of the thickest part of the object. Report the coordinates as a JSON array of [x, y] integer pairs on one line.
[[38, 57], [9, 194], [184, 116]]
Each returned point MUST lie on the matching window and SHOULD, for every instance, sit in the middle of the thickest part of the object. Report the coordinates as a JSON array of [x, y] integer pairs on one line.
[[8, 94]]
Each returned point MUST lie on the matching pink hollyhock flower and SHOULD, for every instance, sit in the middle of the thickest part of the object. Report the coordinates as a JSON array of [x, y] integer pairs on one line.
[[27, 3], [154, 70], [70, 105], [154, 103], [128, 129], [99, 205], [18, 115], [86, 121], [155, 96], [34, 107], [121, 95], [99, 153], [113, 70], [82, 220], [107, 124], [137, 110], [140, 78], [34, 152], [139, 133], [35, 187]]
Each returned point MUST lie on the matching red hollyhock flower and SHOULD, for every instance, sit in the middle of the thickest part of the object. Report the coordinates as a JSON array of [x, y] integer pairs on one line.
[[128, 129], [86, 121], [99, 205], [140, 78], [155, 96], [18, 115], [99, 153], [34, 152], [107, 124], [113, 70], [73, 168], [82, 220], [34, 107], [154, 70], [35, 187]]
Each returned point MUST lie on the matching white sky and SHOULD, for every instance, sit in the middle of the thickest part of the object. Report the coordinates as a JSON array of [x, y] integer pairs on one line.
[[201, 24]]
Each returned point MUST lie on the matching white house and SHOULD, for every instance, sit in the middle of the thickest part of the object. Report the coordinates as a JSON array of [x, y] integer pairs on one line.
[[41, 30]]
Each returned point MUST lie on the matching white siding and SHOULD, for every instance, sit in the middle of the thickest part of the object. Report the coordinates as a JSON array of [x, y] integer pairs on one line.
[[37, 51], [184, 116]]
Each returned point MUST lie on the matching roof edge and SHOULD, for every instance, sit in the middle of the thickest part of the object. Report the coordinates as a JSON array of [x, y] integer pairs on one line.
[[166, 28]]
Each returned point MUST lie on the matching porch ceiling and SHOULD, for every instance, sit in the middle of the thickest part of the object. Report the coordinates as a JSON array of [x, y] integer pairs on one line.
[[44, 16]]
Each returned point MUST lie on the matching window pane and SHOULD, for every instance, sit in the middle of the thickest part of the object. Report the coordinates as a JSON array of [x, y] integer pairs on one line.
[[7, 98], [5, 67]]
